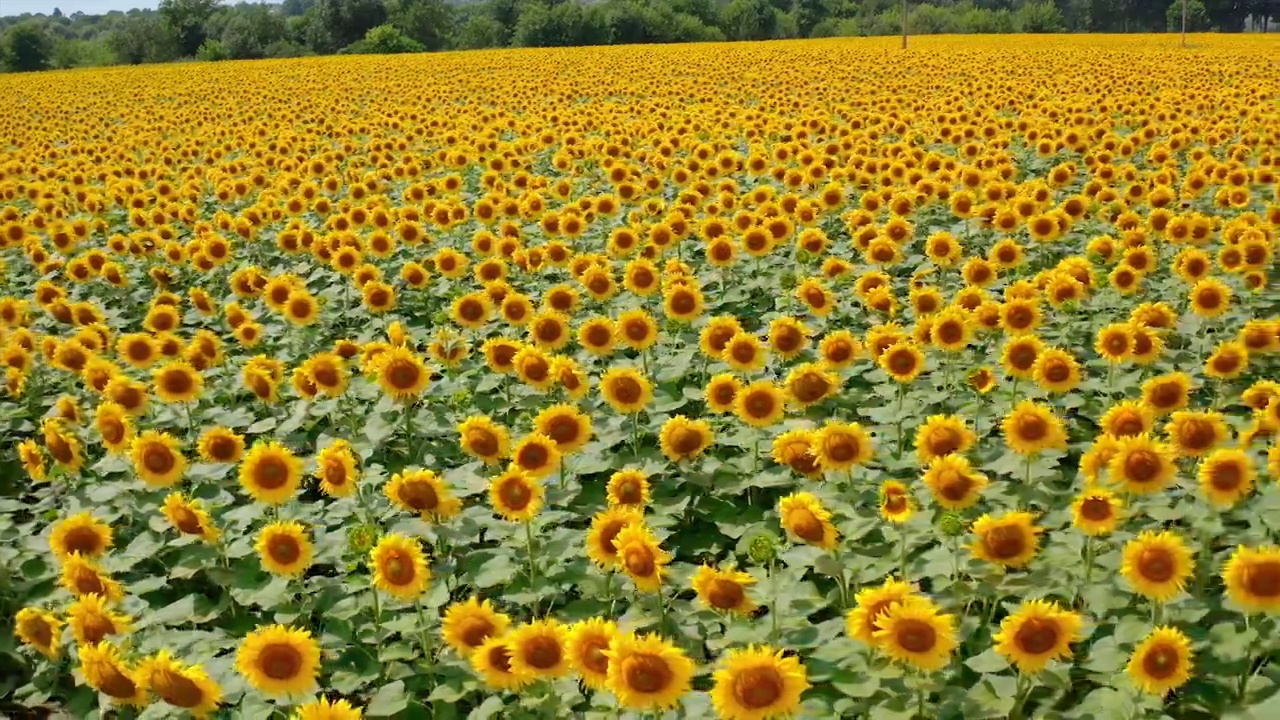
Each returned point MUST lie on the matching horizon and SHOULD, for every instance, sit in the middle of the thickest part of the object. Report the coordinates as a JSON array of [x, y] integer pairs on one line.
[[15, 8]]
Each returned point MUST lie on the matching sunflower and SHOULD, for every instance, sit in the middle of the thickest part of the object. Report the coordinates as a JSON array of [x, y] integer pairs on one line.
[[1010, 540], [716, 334], [803, 516], [336, 469], [811, 383], [1039, 631], [62, 444], [1056, 371], [1031, 427], [566, 426], [401, 374], [484, 439], [270, 473], [902, 361], [641, 557], [647, 672], [184, 686], [587, 643], [1019, 355], [107, 672], [156, 458], [1167, 393], [953, 482], [467, 625], [492, 661], [682, 304], [328, 371], [1147, 345], [839, 349], [744, 352], [597, 336], [724, 590], [284, 548], [758, 683], [915, 632], [943, 435], [788, 337], [81, 534], [221, 445], [1020, 316], [32, 460], [1157, 565], [536, 455], [1096, 511], [539, 649], [1226, 477], [279, 660], [797, 450], [1252, 579], [862, 621], [1228, 361], [1141, 465], [952, 330], [500, 353], [422, 492], [515, 495], [896, 502], [815, 295], [471, 310], [39, 629], [1210, 297], [721, 392], [177, 381], [1195, 434], [602, 546], [189, 517], [399, 567], [982, 380], [841, 446], [1161, 662], [1126, 419], [685, 439], [626, 390]]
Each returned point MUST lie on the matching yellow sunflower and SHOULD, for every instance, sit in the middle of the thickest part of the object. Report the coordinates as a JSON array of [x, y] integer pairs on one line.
[[839, 349], [189, 517], [797, 450], [1096, 511], [588, 641], [536, 455], [399, 567], [114, 426], [744, 352], [1228, 361], [721, 392], [1031, 427], [92, 620], [641, 557], [278, 660], [788, 337], [1039, 631], [220, 445], [953, 482], [177, 382], [1056, 371], [915, 632], [628, 488], [325, 709], [626, 390], [862, 622], [902, 361], [943, 435], [484, 439], [685, 439], [284, 548], [1010, 540], [840, 446], [1252, 578], [756, 683], [183, 686], [1019, 355], [637, 329], [401, 374], [1157, 565], [1226, 476], [105, 670], [803, 516], [336, 469], [515, 495], [1161, 662], [82, 534], [156, 458], [724, 590], [602, 537], [647, 673], [1142, 466], [567, 426], [1127, 418], [468, 624], [270, 473], [597, 336], [539, 649], [492, 662], [1167, 393], [40, 629], [1210, 297], [1194, 434]]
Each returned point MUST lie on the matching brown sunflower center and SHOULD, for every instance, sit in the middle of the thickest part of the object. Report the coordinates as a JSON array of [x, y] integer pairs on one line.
[[536, 369], [187, 521], [116, 683], [949, 332], [902, 362], [810, 387], [398, 568], [532, 456], [284, 549], [280, 661], [954, 486], [743, 352], [475, 630], [943, 441], [1142, 466], [1156, 564], [1004, 542], [222, 448], [1161, 662], [96, 626], [759, 404], [838, 352], [402, 374], [758, 687], [1037, 636], [549, 331], [335, 473], [482, 442], [1032, 427], [1057, 371], [593, 657], [543, 653], [1095, 509], [627, 390], [419, 495], [271, 473], [647, 673], [598, 336], [500, 658], [683, 302], [725, 594], [564, 429], [842, 447], [686, 441], [326, 376], [639, 561], [1226, 476], [807, 526], [83, 540], [157, 458], [1263, 579], [176, 382], [177, 689], [515, 494], [915, 636]]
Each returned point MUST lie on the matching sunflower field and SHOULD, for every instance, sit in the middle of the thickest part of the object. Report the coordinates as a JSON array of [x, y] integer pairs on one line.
[[744, 381]]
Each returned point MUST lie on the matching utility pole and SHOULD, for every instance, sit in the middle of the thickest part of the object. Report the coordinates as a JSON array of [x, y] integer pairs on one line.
[[904, 21], [1184, 23]]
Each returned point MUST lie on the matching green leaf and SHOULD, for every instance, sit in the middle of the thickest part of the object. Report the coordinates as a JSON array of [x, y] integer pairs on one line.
[[988, 661], [389, 700]]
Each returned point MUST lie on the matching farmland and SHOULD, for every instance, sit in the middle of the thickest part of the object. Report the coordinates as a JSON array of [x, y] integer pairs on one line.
[[815, 378]]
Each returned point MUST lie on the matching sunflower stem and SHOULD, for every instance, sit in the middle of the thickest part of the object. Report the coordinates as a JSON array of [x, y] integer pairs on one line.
[[773, 602], [533, 572], [426, 638], [662, 611], [1026, 470], [1156, 613], [902, 396], [1020, 697], [635, 433], [902, 552], [562, 474], [1088, 565], [408, 432]]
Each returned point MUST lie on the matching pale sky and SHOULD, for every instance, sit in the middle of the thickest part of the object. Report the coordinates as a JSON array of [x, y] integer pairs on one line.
[[89, 7]]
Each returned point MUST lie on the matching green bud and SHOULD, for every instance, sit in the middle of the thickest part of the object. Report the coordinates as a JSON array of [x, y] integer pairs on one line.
[[763, 549], [952, 525], [360, 538]]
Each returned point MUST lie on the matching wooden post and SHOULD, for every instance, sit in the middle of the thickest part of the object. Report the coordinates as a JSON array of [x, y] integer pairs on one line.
[[904, 23], [1184, 23]]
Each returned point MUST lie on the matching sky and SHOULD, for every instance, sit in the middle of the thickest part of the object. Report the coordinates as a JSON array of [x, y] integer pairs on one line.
[[90, 7]]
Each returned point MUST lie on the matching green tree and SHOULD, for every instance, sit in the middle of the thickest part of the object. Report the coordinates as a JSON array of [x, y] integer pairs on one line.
[[426, 21], [144, 37], [384, 40], [343, 22], [1197, 16], [25, 47], [749, 20], [188, 18], [480, 31]]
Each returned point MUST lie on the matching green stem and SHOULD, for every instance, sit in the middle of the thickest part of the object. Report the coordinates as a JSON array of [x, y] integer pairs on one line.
[[902, 552], [562, 473], [755, 453], [426, 638], [920, 701], [1157, 613], [528, 544], [1020, 696], [1026, 470], [902, 395], [635, 433], [662, 611], [408, 433], [773, 602], [955, 568]]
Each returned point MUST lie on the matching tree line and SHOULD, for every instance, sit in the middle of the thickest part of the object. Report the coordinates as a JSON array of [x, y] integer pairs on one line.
[[212, 30]]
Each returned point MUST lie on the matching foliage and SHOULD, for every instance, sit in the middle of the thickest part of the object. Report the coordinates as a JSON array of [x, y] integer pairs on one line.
[[1038, 17], [26, 47], [1196, 14], [384, 40], [188, 19], [212, 51]]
